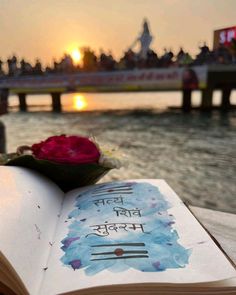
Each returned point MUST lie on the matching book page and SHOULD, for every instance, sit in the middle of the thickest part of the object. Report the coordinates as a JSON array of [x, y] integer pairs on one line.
[[29, 205], [130, 232]]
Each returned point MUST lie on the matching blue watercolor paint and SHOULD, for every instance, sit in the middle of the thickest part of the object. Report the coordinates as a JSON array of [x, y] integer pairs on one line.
[[151, 245]]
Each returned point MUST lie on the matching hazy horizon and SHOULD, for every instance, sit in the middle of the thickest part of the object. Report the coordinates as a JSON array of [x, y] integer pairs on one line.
[[46, 29]]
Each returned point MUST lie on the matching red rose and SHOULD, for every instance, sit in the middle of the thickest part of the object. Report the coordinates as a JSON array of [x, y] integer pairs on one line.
[[67, 150]]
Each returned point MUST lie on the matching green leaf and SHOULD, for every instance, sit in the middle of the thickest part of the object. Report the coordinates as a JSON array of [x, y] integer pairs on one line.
[[66, 176]]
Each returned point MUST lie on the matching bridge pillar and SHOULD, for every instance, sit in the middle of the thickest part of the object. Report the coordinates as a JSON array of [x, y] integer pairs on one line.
[[2, 138], [56, 102], [225, 100], [4, 93], [186, 100], [207, 99], [22, 102]]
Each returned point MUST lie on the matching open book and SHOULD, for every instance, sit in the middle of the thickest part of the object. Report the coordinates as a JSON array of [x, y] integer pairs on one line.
[[125, 237]]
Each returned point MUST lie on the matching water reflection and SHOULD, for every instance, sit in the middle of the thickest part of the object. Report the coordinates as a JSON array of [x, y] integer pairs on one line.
[[157, 101], [79, 102]]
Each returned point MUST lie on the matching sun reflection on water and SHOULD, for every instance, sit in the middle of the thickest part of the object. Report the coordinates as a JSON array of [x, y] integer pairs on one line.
[[79, 102]]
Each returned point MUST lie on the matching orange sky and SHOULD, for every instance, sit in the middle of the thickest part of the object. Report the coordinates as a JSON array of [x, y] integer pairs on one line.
[[47, 28]]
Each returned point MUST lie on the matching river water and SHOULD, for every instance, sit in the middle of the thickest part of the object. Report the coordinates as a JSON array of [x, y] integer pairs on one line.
[[195, 153]]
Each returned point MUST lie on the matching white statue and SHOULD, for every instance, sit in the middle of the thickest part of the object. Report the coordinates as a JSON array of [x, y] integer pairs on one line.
[[145, 40]]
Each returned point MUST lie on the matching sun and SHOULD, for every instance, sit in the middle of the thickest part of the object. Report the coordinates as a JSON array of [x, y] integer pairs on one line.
[[76, 55], [79, 102]]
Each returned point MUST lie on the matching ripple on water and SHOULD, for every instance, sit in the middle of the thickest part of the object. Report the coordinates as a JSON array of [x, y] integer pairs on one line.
[[194, 153]]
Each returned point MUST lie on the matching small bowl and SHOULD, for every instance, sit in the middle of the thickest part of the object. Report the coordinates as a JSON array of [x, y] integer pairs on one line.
[[66, 176]]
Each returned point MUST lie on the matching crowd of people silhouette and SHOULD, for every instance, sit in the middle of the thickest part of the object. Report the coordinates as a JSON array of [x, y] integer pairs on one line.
[[129, 61], [142, 59]]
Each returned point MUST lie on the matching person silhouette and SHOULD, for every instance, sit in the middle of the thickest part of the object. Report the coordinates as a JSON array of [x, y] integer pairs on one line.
[[189, 79]]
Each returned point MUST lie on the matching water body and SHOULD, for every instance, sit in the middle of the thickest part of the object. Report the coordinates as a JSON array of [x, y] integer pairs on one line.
[[195, 153], [115, 101]]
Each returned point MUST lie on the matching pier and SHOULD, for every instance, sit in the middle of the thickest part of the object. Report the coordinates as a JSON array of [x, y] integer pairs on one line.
[[221, 78], [211, 78]]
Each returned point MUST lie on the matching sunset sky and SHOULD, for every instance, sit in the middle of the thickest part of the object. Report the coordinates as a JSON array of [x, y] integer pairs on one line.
[[48, 28]]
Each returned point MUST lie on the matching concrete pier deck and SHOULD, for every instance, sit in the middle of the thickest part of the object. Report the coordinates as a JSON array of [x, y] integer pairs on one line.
[[210, 78], [221, 226]]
